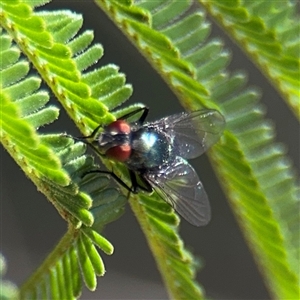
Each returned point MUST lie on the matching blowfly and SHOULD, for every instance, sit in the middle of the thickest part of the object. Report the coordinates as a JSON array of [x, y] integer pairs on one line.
[[155, 154]]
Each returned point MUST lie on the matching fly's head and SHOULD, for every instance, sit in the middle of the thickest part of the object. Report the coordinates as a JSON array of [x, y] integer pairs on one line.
[[114, 140]]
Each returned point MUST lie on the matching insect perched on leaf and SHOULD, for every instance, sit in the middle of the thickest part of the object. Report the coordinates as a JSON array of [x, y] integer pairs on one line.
[[155, 154]]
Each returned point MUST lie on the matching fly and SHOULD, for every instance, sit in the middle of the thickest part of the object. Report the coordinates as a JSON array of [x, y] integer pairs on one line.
[[156, 153]]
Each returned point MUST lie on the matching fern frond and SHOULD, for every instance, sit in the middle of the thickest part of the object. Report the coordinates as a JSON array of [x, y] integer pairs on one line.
[[19, 117], [84, 107], [176, 264], [51, 51], [44, 158], [76, 255], [269, 32], [165, 32], [22, 111], [53, 161]]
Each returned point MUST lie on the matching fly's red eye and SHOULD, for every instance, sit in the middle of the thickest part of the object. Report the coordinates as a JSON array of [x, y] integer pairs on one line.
[[119, 126], [120, 153]]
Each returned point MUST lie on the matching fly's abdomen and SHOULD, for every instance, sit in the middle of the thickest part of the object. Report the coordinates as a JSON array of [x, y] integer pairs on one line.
[[150, 149]]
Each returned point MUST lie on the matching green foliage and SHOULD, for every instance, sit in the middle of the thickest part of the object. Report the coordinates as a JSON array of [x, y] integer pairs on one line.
[[253, 170], [20, 116], [53, 162], [269, 32], [74, 256], [176, 264]]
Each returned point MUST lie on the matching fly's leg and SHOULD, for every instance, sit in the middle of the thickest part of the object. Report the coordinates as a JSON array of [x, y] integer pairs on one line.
[[92, 135], [142, 118], [135, 185], [115, 177], [146, 185], [84, 139], [92, 144]]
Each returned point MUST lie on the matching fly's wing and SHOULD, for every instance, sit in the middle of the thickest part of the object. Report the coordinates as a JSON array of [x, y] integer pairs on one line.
[[179, 185], [193, 132]]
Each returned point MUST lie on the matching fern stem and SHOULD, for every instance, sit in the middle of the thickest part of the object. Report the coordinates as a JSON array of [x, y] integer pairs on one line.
[[162, 256], [154, 244], [49, 262]]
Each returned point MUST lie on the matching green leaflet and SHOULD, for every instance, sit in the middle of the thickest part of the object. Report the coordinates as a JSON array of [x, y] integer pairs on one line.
[[269, 32]]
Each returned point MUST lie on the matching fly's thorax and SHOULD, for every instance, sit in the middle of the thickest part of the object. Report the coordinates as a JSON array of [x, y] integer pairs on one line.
[[150, 149]]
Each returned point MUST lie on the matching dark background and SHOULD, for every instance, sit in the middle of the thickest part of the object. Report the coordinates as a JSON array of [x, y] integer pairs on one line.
[[31, 227]]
